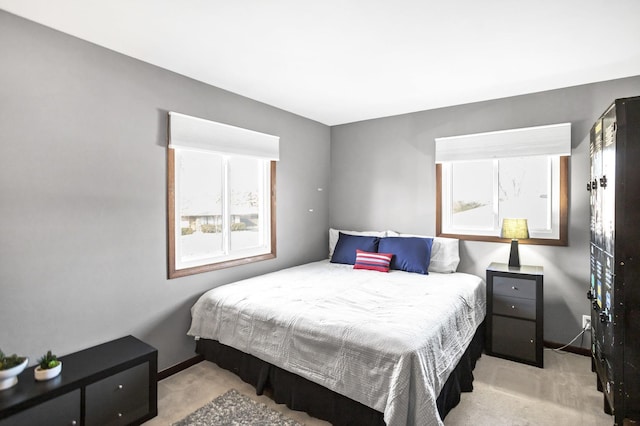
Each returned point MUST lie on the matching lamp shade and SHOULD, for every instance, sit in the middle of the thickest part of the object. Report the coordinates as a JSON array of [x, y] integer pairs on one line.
[[516, 229]]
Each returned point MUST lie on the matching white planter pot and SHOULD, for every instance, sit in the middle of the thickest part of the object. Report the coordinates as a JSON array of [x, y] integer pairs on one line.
[[48, 373], [9, 377]]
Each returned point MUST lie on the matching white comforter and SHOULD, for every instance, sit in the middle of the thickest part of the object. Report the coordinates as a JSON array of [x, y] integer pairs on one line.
[[387, 340]]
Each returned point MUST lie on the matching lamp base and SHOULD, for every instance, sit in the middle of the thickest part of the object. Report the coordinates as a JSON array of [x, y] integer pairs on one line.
[[514, 257]]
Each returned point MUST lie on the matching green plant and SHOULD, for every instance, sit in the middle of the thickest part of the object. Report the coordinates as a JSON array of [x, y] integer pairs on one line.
[[239, 226], [210, 229], [48, 361], [187, 231], [7, 362]]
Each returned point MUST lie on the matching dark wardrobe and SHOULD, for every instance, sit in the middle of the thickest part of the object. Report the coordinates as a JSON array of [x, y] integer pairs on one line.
[[615, 258]]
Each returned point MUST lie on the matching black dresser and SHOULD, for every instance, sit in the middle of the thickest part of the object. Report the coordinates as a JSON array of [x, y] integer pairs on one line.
[[114, 383]]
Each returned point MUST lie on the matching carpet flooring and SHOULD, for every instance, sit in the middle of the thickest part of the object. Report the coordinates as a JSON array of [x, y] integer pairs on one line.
[[505, 393]]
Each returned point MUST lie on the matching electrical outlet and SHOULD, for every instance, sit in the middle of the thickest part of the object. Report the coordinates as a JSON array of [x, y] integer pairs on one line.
[[586, 322]]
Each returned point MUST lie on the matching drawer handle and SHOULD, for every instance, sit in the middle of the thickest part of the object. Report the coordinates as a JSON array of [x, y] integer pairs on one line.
[[513, 287], [120, 386], [531, 341], [119, 414], [74, 423], [513, 307]]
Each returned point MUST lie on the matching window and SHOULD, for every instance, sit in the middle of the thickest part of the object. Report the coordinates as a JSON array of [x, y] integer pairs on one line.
[[221, 196], [484, 178]]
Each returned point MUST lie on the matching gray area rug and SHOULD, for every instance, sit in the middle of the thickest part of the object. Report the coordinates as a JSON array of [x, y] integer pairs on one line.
[[235, 409]]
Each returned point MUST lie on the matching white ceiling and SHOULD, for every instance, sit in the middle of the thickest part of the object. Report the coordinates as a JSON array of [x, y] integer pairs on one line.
[[340, 61]]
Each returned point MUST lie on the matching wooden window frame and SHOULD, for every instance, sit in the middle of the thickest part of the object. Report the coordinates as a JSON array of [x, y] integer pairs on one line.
[[563, 239], [171, 223]]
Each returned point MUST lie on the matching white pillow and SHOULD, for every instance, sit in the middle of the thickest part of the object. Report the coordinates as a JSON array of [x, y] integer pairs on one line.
[[334, 234], [445, 252]]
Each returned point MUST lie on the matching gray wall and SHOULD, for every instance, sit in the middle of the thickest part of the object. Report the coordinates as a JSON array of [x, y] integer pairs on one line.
[[83, 194], [83, 183], [383, 177]]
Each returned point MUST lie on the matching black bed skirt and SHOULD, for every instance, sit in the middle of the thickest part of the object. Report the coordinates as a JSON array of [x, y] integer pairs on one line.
[[303, 395]]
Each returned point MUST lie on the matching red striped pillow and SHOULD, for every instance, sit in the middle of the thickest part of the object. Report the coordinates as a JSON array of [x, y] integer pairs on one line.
[[373, 261]]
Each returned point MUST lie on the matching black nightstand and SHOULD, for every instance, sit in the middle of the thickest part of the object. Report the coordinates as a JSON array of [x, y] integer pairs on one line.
[[515, 313]]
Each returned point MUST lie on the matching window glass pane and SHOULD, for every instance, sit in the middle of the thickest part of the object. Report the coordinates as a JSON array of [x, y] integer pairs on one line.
[[472, 195], [245, 184], [524, 186], [199, 204]]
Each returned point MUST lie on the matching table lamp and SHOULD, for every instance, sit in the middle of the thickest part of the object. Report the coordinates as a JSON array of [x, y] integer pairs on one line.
[[516, 229]]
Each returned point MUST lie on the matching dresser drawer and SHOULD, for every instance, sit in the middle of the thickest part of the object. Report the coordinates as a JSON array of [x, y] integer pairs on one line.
[[118, 399], [514, 306], [514, 287], [61, 411], [514, 338]]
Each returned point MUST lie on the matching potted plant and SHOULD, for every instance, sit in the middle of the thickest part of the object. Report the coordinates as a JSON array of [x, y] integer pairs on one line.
[[49, 366], [10, 367]]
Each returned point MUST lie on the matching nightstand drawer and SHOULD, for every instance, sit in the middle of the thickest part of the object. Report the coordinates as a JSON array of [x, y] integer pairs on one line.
[[514, 306], [514, 287], [514, 338]]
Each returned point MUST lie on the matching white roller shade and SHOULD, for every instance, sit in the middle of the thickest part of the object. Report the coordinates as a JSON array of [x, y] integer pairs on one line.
[[554, 139], [198, 134]]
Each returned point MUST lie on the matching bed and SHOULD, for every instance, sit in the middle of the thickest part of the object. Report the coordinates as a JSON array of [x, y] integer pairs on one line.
[[391, 346]]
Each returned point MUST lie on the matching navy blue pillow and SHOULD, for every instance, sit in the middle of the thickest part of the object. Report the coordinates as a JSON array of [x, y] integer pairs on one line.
[[345, 250], [411, 254]]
